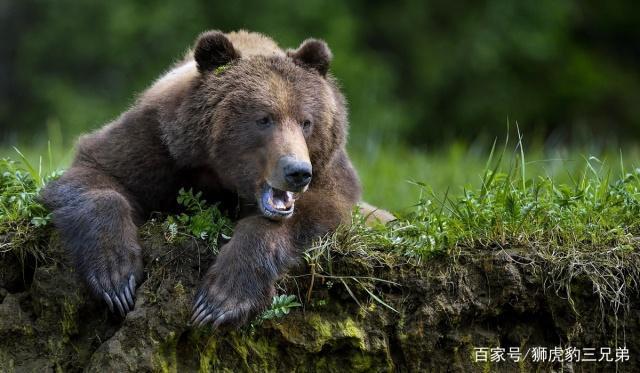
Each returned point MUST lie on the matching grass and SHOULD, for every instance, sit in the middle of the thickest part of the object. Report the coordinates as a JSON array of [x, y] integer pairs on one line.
[[388, 172], [20, 212], [586, 227]]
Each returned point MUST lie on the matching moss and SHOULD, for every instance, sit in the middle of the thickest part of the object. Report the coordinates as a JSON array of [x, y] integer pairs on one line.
[[314, 331], [256, 354], [247, 353], [55, 349], [207, 356], [356, 362], [68, 322], [351, 329], [166, 358], [361, 362], [6, 362], [486, 368], [240, 348], [320, 325]]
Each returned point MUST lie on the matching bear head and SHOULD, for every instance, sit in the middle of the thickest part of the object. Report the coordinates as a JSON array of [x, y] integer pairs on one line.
[[269, 125]]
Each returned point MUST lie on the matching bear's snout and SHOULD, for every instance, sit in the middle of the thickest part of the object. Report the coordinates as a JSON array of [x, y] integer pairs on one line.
[[297, 173], [289, 179]]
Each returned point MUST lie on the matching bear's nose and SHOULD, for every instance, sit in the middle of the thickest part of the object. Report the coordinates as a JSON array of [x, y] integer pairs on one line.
[[297, 173]]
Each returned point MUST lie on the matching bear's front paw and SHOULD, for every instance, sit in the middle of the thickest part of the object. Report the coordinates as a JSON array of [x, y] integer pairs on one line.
[[230, 300], [114, 279]]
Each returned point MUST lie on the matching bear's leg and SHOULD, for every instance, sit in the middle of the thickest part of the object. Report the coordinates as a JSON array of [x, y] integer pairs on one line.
[[241, 282], [374, 215], [96, 226]]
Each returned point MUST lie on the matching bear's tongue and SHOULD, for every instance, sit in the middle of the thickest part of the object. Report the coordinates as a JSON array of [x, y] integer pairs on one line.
[[281, 200]]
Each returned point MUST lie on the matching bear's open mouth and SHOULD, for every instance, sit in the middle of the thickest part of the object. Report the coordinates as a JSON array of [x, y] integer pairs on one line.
[[275, 203]]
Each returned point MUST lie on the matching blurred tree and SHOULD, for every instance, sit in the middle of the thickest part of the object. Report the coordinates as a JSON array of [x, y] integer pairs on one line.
[[412, 71]]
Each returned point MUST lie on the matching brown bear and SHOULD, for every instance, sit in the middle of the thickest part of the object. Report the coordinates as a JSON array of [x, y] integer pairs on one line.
[[243, 121]]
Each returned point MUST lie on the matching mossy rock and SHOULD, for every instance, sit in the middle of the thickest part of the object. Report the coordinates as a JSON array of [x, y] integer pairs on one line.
[[445, 307]]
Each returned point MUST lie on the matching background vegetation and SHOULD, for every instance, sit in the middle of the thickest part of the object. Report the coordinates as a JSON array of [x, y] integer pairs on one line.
[[430, 85]]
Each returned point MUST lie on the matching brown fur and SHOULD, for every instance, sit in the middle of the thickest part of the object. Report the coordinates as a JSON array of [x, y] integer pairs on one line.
[[196, 128]]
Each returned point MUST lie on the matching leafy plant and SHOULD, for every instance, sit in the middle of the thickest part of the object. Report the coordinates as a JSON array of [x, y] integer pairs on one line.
[[281, 305], [199, 220]]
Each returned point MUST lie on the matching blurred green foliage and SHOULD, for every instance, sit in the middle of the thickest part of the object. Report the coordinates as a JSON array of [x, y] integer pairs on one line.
[[413, 71]]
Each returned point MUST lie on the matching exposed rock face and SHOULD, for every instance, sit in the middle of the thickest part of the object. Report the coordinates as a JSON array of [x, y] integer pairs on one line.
[[447, 309]]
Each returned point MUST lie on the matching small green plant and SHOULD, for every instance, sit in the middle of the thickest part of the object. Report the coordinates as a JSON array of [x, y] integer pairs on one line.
[[21, 214], [221, 69], [20, 185], [199, 219], [281, 305]]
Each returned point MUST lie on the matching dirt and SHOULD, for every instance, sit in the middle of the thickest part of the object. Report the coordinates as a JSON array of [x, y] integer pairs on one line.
[[448, 309]]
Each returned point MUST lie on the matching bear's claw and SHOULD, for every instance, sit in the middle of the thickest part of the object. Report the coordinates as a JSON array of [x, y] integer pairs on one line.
[[233, 290], [197, 303], [204, 311], [218, 316], [201, 315], [218, 308], [123, 301]]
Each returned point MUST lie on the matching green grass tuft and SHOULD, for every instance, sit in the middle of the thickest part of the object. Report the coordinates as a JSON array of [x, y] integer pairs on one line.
[[22, 216]]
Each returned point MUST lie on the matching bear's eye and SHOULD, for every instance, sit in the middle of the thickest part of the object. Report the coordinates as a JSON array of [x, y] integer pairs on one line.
[[264, 122], [306, 124]]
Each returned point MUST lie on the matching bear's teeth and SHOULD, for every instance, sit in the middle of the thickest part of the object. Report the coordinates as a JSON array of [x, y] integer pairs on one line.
[[281, 200], [279, 204]]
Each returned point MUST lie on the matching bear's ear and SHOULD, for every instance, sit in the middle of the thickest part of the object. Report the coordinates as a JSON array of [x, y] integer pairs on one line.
[[313, 54], [213, 50]]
